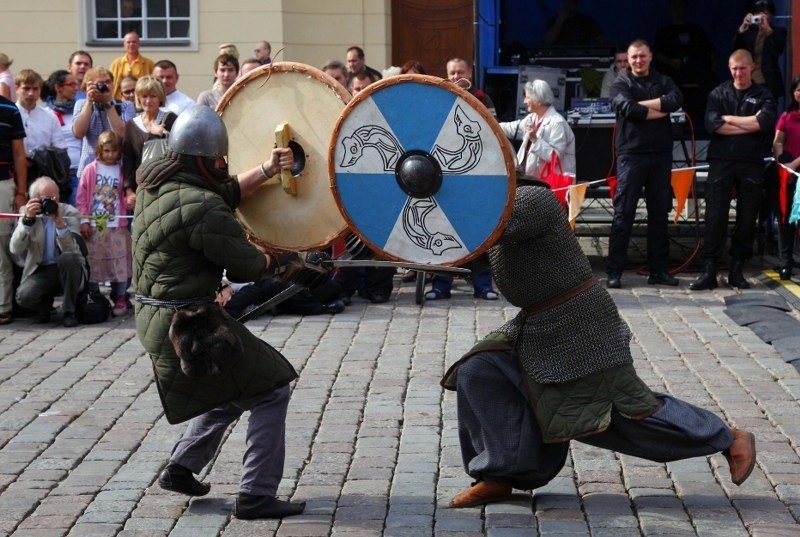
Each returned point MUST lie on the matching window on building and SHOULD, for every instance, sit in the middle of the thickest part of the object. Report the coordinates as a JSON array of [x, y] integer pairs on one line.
[[158, 22]]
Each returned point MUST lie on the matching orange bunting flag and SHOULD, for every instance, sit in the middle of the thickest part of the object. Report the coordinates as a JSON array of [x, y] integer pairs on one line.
[[682, 181], [612, 186], [577, 193], [783, 179]]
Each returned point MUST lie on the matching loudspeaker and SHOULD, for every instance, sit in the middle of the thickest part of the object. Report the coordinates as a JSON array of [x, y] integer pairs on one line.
[[593, 151]]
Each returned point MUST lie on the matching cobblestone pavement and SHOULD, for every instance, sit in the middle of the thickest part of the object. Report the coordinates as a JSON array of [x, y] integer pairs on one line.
[[372, 443]]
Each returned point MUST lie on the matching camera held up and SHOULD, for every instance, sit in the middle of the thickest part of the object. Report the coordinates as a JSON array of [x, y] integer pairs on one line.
[[49, 205]]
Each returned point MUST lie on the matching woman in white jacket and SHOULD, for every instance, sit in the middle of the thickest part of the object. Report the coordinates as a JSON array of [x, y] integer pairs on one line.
[[543, 132]]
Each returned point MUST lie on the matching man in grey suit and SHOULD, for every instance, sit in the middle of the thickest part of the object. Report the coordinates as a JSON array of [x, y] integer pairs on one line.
[[46, 239]]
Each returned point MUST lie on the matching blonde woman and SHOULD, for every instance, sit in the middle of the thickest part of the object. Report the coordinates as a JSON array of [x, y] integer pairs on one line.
[[153, 121]]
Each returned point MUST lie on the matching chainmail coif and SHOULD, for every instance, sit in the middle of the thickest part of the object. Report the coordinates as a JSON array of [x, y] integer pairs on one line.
[[536, 260]]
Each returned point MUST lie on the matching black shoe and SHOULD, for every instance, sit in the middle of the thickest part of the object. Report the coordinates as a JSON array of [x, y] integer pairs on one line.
[[346, 298], [614, 281], [379, 297], [738, 280], [785, 273], [69, 320], [176, 478], [333, 307], [662, 278], [735, 276], [706, 282], [42, 318], [248, 507]]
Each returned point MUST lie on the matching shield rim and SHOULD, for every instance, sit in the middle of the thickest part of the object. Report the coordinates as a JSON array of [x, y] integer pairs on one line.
[[267, 70], [479, 107]]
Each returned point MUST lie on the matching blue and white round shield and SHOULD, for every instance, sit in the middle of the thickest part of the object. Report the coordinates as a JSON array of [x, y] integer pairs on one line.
[[421, 171]]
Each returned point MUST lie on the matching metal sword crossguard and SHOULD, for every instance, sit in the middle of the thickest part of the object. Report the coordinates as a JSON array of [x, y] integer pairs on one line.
[[282, 136]]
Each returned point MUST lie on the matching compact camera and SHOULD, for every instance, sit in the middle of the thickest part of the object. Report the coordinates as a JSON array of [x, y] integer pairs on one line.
[[49, 205], [756, 19], [102, 87]]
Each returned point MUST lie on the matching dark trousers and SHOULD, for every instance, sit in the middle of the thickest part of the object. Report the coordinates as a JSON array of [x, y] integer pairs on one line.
[[500, 438], [786, 231], [366, 280], [38, 290], [650, 172], [725, 178], [481, 282], [305, 302]]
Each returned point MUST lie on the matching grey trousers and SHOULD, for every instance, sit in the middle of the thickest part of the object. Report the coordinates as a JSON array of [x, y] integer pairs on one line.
[[501, 440], [265, 443], [68, 276]]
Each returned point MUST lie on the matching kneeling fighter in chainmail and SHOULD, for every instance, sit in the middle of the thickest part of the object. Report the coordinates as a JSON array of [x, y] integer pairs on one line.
[[562, 369]]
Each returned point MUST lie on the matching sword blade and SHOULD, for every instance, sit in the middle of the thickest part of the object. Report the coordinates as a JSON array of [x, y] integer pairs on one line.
[[272, 302], [424, 267]]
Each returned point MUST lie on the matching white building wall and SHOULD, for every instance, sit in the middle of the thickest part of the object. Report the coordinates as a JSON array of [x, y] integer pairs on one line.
[[41, 34]]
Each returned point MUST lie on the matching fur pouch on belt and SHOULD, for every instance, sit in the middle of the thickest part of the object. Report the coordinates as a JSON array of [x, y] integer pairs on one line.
[[204, 342]]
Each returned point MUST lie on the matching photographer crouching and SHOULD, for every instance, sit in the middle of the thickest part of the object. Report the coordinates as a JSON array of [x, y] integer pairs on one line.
[[46, 239]]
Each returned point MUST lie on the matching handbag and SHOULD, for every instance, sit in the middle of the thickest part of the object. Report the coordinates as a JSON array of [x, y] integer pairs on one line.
[[153, 149], [552, 174]]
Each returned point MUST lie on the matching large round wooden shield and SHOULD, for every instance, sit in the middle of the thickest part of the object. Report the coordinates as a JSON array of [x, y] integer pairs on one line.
[[293, 105], [421, 171]]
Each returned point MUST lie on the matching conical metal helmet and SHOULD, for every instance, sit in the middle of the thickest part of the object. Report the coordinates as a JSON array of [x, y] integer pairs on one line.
[[199, 131]]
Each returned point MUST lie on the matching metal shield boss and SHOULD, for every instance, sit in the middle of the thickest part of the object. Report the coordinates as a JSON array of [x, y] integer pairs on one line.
[[421, 171], [289, 105]]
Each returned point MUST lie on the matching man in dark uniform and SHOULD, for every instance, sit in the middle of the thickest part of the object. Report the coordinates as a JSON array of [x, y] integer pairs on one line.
[[643, 99], [741, 116]]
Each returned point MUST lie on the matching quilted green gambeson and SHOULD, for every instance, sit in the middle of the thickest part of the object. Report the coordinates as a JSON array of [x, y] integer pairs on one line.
[[184, 235]]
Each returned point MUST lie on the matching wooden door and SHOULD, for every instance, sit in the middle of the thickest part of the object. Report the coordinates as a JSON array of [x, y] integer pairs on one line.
[[432, 32]]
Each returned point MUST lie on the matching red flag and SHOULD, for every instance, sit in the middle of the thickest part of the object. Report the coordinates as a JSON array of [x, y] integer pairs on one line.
[[783, 178], [612, 186]]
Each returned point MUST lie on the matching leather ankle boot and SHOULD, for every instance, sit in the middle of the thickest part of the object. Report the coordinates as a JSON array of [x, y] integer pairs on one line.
[[707, 280], [735, 276]]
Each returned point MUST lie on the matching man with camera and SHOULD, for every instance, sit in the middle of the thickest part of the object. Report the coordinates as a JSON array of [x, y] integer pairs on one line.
[[766, 43], [45, 239]]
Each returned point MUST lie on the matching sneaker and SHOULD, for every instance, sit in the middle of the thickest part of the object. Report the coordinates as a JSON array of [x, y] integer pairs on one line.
[[486, 294], [436, 294], [120, 307]]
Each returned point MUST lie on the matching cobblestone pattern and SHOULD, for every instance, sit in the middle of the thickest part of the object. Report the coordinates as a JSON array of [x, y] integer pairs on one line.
[[372, 443]]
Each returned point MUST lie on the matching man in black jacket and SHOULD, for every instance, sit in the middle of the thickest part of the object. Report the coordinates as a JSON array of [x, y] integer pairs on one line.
[[741, 117], [642, 99]]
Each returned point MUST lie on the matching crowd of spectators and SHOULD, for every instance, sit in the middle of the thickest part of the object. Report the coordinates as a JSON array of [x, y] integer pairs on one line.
[[72, 113]]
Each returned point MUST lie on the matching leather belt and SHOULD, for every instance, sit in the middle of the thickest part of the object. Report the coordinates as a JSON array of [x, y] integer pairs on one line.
[[560, 299], [172, 304]]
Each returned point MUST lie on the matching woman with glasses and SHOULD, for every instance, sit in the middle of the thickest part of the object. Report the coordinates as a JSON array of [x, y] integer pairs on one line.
[[128, 89], [58, 95]]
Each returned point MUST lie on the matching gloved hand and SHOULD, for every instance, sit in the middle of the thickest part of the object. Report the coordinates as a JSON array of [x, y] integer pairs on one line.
[[309, 269]]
